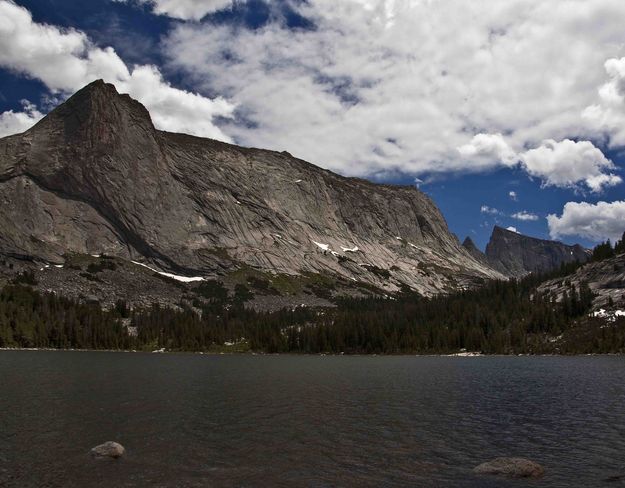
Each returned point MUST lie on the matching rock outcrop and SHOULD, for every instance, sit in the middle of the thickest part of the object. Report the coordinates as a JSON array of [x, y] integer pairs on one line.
[[516, 255], [605, 278], [95, 177], [511, 468], [109, 449]]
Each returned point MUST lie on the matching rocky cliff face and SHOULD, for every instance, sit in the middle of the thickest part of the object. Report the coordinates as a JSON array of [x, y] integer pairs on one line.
[[605, 278], [516, 255], [95, 176], [473, 250]]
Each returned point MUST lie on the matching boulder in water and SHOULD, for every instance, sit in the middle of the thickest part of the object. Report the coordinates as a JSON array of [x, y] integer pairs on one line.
[[109, 449], [511, 467], [617, 477]]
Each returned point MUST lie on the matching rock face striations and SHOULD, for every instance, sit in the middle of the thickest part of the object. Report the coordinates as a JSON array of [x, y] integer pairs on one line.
[[605, 278], [514, 254], [95, 176]]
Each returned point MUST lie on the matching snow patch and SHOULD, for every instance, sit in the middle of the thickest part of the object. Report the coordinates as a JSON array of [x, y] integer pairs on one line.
[[350, 249], [183, 279], [324, 247], [605, 314], [58, 265], [298, 181], [465, 354]]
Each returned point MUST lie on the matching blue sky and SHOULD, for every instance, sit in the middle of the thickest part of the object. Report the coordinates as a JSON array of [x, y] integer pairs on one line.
[[495, 124]]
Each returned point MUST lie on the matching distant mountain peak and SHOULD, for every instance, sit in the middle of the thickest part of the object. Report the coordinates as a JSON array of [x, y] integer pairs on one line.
[[497, 229], [468, 243], [474, 251], [516, 254], [98, 113]]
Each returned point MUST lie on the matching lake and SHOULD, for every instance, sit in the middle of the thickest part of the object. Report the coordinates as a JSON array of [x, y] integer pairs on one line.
[[314, 421]]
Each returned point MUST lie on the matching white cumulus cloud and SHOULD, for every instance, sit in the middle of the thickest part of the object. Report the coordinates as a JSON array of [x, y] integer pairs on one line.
[[568, 163], [489, 210], [596, 222], [382, 86], [377, 87], [513, 195], [565, 164], [186, 9], [65, 60], [489, 147], [608, 114], [524, 215], [13, 122]]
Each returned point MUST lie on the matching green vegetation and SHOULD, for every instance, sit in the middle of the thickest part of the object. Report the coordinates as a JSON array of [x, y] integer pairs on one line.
[[25, 278], [500, 317], [605, 250], [619, 247], [283, 284], [101, 265], [32, 319]]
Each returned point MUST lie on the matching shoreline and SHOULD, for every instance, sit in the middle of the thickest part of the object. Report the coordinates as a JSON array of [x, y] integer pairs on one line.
[[209, 353]]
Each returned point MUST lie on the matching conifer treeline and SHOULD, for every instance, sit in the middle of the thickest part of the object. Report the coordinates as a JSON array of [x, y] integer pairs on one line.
[[500, 317], [605, 250], [32, 319]]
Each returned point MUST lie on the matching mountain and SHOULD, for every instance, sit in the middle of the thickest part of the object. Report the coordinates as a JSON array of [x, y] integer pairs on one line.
[[514, 254], [94, 177], [606, 279], [474, 251]]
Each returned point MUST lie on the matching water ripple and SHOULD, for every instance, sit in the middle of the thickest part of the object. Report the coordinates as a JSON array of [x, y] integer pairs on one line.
[[265, 421]]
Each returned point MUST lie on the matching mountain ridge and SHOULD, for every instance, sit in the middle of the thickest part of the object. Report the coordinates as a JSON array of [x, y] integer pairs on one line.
[[95, 177], [515, 254]]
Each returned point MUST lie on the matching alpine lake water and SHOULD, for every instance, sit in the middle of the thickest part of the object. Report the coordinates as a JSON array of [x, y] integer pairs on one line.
[[189, 420]]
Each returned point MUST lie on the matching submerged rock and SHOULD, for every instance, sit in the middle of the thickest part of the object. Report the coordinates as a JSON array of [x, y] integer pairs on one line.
[[109, 449], [618, 477], [511, 467]]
